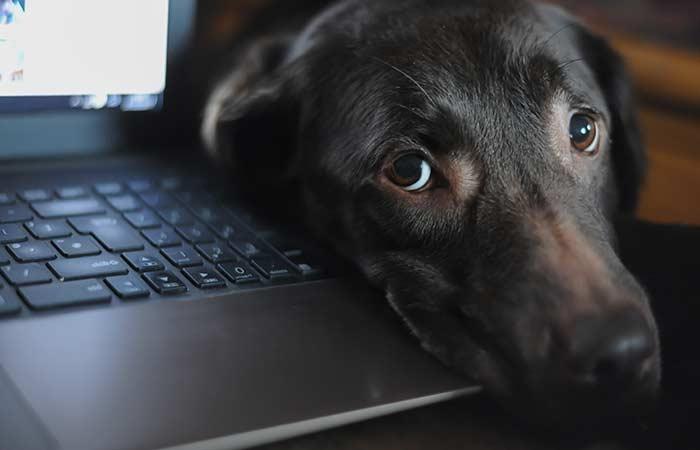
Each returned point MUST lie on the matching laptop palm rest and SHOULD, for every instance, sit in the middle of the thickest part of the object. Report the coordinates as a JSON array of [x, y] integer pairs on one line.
[[20, 428], [162, 374]]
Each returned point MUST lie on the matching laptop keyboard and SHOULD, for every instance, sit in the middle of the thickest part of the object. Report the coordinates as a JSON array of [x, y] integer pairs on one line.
[[137, 240]]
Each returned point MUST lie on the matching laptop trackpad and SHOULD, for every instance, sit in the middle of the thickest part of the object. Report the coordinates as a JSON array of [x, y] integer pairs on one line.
[[168, 373]]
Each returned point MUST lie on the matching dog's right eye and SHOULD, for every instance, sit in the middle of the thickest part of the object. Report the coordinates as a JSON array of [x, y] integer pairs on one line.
[[411, 173], [584, 135]]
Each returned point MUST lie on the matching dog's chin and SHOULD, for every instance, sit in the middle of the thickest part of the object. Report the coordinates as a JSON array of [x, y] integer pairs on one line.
[[548, 405], [536, 395], [535, 392]]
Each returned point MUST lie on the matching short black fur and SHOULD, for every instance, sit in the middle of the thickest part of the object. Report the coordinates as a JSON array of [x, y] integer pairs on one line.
[[505, 268]]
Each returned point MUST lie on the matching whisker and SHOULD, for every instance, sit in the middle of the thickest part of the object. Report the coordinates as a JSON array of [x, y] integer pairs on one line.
[[410, 78], [411, 110], [555, 34], [563, 66]]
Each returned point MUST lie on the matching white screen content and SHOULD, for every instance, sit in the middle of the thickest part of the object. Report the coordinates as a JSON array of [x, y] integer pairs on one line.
[[82, 47]]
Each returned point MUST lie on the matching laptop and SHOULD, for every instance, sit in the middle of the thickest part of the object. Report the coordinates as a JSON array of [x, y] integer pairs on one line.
[[142, 306]]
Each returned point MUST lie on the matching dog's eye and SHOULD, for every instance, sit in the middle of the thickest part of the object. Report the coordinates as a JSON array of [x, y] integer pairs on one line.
[[583, 132], [410, 172]]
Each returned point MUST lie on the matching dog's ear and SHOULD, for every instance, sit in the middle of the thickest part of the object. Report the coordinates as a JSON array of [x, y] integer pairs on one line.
[[628, 151], [251, 116]]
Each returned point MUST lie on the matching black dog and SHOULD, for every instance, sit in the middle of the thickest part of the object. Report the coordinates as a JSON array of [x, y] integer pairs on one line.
[[469, 156]]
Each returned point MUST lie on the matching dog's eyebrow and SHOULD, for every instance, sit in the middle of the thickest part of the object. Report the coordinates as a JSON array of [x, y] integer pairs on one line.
[[578, 99]]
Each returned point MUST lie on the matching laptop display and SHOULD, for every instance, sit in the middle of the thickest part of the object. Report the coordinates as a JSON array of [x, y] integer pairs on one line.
[[82, 54]]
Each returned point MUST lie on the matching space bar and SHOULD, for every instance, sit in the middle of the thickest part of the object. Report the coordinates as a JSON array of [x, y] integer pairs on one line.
[[67, 208]]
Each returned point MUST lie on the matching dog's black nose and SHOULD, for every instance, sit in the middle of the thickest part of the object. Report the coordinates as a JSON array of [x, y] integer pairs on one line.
[[613, 353]]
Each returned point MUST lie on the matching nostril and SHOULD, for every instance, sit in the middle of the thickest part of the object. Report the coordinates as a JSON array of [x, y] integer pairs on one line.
[[612, 353], [623, 358]]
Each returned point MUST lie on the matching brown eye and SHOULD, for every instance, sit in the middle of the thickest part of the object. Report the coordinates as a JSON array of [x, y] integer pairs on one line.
[[583, 132], [410, 172]]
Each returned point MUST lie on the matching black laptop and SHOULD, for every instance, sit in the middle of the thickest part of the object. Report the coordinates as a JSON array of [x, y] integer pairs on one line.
[[141, 305]]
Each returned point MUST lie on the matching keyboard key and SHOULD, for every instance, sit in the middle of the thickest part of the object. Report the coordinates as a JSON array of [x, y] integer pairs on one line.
[[94, 267], [216, 253], [140, 185], [48, 229], [239, 273], [85, 225], [287, 246], [193, 197], [144, 262], [205, 278], [4, 258], [176, 216], [8, 306], [71, 192], [165, 283], [124, 203], [11, 233], [162, 238], [273, 267], [68, 208], [59, 295], [108, 188], [15, 213], [26, 274], [183, 257], [142, 219], [118, 239], [309, 268], [196, 234], [209, 214], [35, 195], [7, 199], [171, 183], [247, 247], [157, 200], [224, 230], [77, 247], [245, 216], [29, 252], [128, 287]]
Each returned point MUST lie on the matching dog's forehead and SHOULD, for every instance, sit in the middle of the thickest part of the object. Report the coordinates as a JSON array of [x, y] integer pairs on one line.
[[465, 75], [462, 56]]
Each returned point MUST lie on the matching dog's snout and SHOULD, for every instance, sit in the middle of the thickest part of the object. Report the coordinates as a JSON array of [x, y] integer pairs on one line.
[[615, 353]]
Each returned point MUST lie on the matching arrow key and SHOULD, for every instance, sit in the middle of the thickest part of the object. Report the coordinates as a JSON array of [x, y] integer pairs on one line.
[[205, 278], [165, 283], [144, 262]]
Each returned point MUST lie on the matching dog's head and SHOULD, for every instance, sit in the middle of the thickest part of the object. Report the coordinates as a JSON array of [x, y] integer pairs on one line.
[[469, 156]]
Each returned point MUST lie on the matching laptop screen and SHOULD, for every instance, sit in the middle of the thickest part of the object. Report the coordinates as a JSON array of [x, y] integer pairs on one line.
[[82, 54]]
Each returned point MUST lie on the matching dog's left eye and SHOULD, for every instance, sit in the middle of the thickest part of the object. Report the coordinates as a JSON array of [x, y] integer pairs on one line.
[[410, 172]]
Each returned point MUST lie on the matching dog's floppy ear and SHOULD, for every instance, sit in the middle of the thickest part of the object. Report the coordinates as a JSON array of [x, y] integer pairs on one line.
[[251, 116], [628, 152]]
